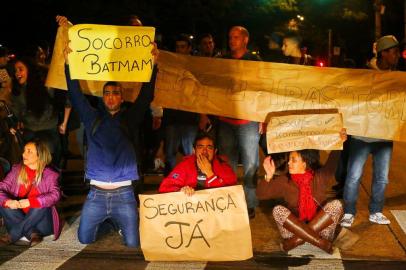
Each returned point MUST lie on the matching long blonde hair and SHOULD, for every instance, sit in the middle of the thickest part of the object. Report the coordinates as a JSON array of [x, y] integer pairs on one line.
[[44, 158]]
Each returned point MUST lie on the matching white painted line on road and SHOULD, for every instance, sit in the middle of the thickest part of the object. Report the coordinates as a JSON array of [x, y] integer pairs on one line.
[[400, 216], [308, 250], [48, 255], [176, 266]]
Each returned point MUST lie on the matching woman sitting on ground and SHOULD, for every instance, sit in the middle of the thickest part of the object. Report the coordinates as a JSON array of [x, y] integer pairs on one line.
[[306, 216], [28, 196]]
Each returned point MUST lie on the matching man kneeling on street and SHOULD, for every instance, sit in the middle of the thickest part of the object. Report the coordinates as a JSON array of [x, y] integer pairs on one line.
[[111, 163]]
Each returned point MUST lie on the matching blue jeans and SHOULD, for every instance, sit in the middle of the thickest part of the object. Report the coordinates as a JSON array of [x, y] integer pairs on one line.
[[242, 139], [174, 136], [119, 205], [19, 224], [358, 154]]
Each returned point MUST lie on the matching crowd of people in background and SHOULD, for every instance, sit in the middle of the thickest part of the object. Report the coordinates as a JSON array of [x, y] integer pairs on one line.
[[37, 120]]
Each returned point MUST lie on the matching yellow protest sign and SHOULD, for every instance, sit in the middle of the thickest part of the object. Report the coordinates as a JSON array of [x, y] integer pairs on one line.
[[306, 131], [56, 74], [373, 103], [211, 225], [111, 53]]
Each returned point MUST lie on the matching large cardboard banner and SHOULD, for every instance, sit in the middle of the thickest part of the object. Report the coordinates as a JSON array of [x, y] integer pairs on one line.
[[373, 103], [307, 131], [56, 74], [211, 225], [111, 53]]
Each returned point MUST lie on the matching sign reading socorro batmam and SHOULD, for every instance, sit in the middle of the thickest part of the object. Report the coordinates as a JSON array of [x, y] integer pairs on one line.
[[56, 73], [211, 225], [111, 53], [373, 103], [307, 131]]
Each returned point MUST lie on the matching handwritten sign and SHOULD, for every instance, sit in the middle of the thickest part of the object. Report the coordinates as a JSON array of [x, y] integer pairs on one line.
[[56, 74], [308, 131], [111, 53], [373, 103], [211, 225]]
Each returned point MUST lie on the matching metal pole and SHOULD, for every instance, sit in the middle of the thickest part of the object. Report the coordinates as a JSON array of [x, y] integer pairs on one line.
[[404, 17], [330, 47], [378, 22]]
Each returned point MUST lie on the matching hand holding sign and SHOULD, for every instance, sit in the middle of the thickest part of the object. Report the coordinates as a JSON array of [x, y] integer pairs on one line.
[[155, 51], [62, 21], [269, 167], [343, 134]]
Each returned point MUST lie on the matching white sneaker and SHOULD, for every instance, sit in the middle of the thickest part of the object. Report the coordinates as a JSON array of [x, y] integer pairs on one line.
[[25, 239], [347, 220], [158, 164], [379, 218]]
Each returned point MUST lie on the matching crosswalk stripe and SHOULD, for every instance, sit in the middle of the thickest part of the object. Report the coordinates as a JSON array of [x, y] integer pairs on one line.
[[48, 255]]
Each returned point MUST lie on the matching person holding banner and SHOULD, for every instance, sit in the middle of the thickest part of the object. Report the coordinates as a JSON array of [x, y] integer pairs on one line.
[[181, 127], [239, 136], [111, 160], [381, 151], [203, 169], [305, 215]]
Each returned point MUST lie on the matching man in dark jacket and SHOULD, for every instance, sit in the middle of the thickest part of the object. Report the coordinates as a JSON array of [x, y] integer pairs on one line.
[[111, 160]]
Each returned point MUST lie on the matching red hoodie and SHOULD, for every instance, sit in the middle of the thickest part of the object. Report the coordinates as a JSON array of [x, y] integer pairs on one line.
[[185, 174]]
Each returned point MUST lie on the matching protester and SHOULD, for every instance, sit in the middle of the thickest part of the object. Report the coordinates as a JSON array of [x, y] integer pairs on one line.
[[33, 105], [305, 215], [111, 159], [207, 46], [237, 136], [207, 49], [180, 126], [28, 196], [203, 169], [148, 134], [291, 49], [381, 151]]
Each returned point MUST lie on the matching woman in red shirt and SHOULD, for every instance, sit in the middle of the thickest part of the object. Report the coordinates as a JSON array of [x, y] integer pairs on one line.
[[28, 196]]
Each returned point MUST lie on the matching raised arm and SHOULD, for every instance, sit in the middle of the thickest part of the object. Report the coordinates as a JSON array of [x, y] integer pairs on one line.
[[86, 112], [142, 103]]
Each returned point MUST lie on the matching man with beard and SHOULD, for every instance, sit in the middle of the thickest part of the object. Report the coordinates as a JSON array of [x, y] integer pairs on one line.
[[203, 169]]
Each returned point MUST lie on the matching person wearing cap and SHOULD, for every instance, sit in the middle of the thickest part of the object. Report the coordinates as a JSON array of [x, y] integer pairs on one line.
[[381, 151]]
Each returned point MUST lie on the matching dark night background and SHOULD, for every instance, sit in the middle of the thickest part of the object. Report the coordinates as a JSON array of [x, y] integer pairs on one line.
[[26, 23]]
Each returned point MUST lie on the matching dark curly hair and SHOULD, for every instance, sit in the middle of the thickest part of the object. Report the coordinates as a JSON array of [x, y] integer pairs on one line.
[[204, 135], [311, 157], [37, 96]]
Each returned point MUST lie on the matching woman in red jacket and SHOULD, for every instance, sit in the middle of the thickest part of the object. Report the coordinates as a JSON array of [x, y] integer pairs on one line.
[[203, 169]]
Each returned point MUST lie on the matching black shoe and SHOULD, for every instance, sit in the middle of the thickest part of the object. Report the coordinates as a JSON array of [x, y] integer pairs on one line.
[[251, 213]]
